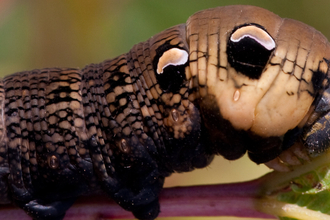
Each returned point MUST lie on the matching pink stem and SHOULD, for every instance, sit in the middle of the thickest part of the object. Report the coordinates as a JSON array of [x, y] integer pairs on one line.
[[237, 199]]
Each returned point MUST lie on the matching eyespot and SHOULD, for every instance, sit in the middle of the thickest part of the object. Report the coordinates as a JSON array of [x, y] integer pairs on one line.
[[170, 69], [249, 48], [174, 56]]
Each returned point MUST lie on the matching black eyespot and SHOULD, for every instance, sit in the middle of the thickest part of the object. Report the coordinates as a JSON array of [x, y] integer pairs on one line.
[[169, 66], [172, 78], [249, 48]]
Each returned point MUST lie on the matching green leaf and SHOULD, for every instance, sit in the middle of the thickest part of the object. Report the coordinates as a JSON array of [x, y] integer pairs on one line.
[[303, 193]]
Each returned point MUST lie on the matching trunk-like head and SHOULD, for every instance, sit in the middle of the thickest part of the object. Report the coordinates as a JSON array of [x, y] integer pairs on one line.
[[249, 76]]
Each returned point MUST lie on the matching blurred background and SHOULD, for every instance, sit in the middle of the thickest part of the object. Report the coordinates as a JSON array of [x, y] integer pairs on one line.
[[73, 33]]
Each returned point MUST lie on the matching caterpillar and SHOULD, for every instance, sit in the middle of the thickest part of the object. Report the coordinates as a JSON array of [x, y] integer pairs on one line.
[[232, 80]]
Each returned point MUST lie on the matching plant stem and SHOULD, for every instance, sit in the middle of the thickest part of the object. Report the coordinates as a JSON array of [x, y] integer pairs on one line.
[[237, 199]]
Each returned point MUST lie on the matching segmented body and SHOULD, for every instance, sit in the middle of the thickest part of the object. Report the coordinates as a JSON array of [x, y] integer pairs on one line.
[[170, 104]]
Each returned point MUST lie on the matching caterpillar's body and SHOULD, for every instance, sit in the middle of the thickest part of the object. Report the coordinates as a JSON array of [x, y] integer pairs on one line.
[[231, 80]]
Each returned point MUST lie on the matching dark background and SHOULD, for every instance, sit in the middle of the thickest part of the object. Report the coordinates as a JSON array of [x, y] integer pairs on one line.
[[73, 33]]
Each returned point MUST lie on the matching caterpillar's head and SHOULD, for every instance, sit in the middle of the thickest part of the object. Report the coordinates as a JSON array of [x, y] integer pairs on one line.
[[253, 77]]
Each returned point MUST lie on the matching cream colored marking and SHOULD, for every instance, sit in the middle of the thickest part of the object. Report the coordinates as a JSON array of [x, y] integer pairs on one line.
[[62, 105], [173, 57], [52, 119], [57, 138], [112, 108], [111, 97], [122, 101], [74, 105], [127, 131], [63, 94], [288, 66], [78, 122], [202, 53], [74, 86], [64, 124], [62, 114], [175, 99], [53, 162], [63, 84], [193, 53], [127, 111], [118, 90], [64, 75], [75, 95], [154, 93], [124, 146], [128, 88], [120, 118], [315, 128], [323, 67], [145, 111], [128, 80], [237, 94], [212, 69], [256, 33], [175, 115]]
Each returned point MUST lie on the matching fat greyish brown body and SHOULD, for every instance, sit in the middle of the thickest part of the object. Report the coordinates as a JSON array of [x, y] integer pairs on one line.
[[232, 80]]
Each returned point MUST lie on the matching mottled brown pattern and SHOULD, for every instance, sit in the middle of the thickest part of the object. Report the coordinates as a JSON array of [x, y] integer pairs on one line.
[[121, 126]]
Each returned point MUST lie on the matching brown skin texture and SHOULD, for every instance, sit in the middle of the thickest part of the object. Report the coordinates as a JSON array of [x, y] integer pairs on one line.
[[122, 126]]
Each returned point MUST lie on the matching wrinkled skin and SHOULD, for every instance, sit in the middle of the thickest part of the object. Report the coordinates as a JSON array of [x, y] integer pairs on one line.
[[232, 80]]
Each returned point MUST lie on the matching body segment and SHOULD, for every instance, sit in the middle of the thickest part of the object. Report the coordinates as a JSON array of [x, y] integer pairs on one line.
[[168, 105]]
